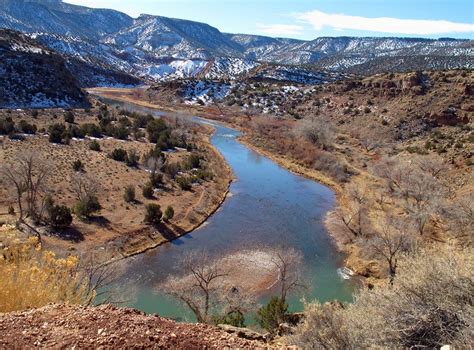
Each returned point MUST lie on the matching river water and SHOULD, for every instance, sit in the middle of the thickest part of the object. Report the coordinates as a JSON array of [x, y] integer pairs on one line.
[[267, 206]]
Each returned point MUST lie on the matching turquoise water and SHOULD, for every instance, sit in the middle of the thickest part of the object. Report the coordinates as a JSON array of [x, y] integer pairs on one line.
[[268, 206]]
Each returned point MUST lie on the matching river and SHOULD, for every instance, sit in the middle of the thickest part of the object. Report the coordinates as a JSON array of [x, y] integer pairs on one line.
[[267, 206]]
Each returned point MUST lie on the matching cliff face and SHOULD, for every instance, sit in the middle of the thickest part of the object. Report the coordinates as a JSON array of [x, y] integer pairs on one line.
[[56, 326]]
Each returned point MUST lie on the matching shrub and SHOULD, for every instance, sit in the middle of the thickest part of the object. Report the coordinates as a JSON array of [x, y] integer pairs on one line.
[[120, 133], [92, 130], [119, 154], [234, 318], [7, 126], [153, 214], [428, 305], [11, 210], [148, 191], [142, 120], [129, 194], [76, 132], [270, 316], [158, 131], [192, 162], [169, 213], [60, 216], [184, 182], [69, 117], [132, 158], [78, 165], [33, 279], [156, 179], [332, 166], [56, 132], [27, 128], [317, 131], [171, 169], [87, 206], [94, 146]]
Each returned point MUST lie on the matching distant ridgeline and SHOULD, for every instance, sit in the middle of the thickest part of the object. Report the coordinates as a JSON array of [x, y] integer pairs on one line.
[[105, 47]]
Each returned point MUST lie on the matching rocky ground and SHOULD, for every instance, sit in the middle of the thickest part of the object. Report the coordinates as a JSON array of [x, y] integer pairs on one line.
[[60, 327]]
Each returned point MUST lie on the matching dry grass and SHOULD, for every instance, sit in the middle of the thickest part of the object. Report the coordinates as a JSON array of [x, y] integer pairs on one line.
[[430, 304], [33, 278], [119, 223]]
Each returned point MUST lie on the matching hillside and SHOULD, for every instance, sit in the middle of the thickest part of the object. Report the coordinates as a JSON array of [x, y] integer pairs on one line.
[[33, 76], [109, 327]]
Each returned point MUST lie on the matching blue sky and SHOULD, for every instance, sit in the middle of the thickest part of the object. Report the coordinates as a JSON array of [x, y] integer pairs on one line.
[[308, 19]]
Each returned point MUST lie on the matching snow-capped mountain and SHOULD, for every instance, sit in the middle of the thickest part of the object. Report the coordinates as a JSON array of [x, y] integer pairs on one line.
[[54, 16], [174, 37], [107, 47]]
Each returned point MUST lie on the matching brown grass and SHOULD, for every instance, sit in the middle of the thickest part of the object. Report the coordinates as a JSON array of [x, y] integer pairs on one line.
[[33, 278], [119, 224]]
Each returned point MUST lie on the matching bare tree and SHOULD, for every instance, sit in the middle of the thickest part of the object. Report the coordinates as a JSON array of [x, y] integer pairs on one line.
[[84, 186], [27, 175], [318, 131], [389, 243], [432, 164], [428, 305], [460, 215], [289, 265], [154, 163], [201, 286], [421, 192], [14, 182], [354, 216]]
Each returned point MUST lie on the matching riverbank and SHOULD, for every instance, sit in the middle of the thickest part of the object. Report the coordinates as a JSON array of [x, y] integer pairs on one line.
[[352, 260], [349, 250], [196, 216]]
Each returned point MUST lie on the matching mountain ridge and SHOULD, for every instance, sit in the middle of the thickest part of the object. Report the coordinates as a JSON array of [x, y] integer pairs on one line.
[[154, 48]]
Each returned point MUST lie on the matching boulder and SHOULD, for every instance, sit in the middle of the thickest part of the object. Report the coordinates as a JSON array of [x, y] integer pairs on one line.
[[244, 333]]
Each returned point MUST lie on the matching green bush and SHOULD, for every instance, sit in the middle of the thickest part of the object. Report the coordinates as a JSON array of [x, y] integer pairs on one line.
[[119, 154], [92, 130], [153, 214], [234, 318], [60, 216], [192, 162], [270, 316], [184, 182], [129, 194], [76, 132], [148, 191], [132, 158], [56, 132], [156, 179], [7, 126], [69, 117], [78, 165], [88, 206], [27, 128], [169, 213], [94, 146], [157, 128]]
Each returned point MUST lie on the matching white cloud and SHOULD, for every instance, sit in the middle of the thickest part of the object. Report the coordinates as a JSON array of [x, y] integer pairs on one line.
[[320, 20], [280, 29]]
